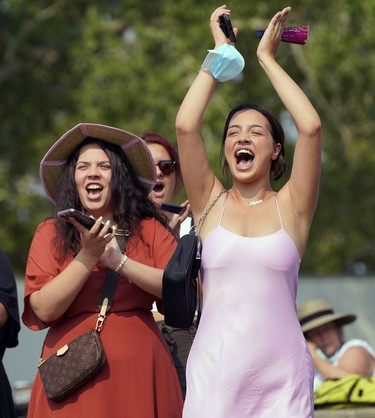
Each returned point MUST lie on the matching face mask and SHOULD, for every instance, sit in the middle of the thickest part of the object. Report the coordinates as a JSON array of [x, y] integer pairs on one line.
[[224, 63]]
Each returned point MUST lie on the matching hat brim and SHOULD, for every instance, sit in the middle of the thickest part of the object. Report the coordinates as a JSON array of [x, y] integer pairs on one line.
[[135, 149], [340, 319]]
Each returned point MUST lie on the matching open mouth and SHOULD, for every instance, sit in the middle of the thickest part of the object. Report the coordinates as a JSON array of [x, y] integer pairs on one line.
[[159, 187], [94, 190], [244, 158]]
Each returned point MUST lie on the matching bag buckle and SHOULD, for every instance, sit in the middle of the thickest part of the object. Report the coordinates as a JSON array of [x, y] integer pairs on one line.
[[101, 316]]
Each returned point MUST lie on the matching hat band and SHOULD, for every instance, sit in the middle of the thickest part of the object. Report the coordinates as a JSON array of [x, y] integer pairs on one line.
[[315, 315]]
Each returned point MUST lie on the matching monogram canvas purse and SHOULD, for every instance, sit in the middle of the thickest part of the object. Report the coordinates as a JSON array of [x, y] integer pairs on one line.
[[72, 365]]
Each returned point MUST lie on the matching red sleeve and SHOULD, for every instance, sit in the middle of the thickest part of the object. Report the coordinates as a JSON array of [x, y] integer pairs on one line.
[[164, 245], [42, 266]]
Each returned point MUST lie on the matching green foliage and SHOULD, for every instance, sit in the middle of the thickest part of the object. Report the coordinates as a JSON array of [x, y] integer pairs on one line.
[[129, 64]]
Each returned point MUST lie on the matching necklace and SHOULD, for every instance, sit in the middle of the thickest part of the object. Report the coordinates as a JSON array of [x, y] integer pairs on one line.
[[255, 202]]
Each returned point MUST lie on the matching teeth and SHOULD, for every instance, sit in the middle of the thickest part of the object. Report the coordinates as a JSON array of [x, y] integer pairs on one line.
[[243, 151], [93, 187]]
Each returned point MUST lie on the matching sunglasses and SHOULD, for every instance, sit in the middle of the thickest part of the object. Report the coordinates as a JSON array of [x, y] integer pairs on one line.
[[167, 167]]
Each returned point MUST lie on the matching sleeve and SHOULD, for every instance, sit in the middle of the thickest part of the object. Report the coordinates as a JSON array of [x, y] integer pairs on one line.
[[163, 246], [42, 266], [8, 297], [355, 342]]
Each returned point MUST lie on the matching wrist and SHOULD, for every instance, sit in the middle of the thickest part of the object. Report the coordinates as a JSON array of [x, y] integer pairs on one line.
[[86, 259], [121, 264]]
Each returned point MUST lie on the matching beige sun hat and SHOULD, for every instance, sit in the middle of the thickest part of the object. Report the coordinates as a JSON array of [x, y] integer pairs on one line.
[[135, 149], [319, 312]]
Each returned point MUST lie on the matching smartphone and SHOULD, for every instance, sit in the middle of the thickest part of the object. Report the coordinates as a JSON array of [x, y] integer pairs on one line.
[[83, 219], [227, 28], [172, 208]]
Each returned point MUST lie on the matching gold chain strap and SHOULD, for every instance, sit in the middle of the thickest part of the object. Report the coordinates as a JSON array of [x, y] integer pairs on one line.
[[207, 210]]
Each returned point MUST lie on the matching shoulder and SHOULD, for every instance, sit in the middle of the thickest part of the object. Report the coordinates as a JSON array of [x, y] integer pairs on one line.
[[356, 343], [46, 230], [47, 226]]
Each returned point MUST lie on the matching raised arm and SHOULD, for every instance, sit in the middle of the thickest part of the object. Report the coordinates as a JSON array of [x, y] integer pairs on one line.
[[303, 185], [198, 176], [199, 179]]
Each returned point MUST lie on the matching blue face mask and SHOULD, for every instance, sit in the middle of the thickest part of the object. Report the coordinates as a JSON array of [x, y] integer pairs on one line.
[[224, 63]]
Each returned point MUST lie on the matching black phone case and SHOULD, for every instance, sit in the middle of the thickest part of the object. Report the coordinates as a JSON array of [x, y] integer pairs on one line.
[[172, 208], [227, 28], [83, 219]]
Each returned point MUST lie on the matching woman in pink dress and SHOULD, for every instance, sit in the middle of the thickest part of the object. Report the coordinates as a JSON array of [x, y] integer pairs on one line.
[[249, 357]]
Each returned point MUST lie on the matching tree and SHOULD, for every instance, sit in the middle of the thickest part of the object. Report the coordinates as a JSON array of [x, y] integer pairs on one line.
[[129, 64]]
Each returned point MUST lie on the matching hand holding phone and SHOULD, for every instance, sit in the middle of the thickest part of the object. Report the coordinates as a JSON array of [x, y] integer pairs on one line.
[[227, 28], [83, 219]]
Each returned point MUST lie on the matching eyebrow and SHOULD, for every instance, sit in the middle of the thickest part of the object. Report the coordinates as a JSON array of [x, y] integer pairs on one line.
[[254, 125], [89, 162]]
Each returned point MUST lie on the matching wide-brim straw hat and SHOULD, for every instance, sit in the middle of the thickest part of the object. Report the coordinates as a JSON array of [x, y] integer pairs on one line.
[[319, 312], [135, 149]]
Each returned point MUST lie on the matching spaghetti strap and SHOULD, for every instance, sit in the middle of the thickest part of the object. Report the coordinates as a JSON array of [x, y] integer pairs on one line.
[[224, 206], [278, 210]]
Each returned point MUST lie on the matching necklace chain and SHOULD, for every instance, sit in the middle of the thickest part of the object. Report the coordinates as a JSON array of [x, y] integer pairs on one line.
[[255, 202]]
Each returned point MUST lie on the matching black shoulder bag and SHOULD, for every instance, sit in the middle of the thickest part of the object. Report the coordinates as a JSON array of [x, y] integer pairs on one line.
[[180, 278]]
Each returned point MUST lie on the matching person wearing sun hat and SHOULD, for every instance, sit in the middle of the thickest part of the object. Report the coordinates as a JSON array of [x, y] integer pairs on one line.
[[332, 356], [107, 173]]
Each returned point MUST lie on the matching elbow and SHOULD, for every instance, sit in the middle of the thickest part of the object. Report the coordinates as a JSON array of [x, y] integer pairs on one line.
[[181, 128], [185, 126], [45, 316], [315, 127], [311, 130], [42, 311]]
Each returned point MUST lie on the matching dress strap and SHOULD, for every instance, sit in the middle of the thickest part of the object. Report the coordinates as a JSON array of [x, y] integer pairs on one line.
[[224, 206], [278, 210]]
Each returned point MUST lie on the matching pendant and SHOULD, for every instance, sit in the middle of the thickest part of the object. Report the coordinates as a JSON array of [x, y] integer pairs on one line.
[[255, 202]]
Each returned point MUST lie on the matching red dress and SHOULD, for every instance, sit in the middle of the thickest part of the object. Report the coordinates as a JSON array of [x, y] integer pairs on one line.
[[139, 379]]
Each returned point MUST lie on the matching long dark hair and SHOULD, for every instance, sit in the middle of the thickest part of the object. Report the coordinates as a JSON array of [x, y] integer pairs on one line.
[[130, 201], [278, 166]]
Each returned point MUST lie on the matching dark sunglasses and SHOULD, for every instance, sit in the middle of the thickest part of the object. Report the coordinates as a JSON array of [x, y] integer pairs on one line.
[[167, 167]]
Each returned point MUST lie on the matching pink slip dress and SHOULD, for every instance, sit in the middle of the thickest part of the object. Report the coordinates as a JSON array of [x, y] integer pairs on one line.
[[249, 357]]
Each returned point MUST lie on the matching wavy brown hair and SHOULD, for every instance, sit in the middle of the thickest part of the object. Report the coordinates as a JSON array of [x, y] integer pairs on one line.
[[129, 197]]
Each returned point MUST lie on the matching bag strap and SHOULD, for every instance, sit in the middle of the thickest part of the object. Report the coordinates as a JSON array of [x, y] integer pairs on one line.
[[110, 283], [207, 210]]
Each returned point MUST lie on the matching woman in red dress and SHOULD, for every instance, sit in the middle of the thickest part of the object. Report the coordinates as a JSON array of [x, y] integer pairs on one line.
[[107, 173]]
